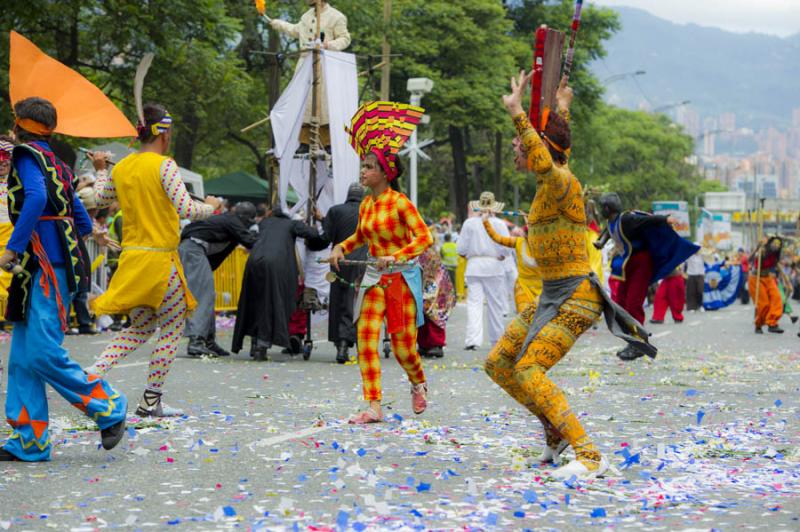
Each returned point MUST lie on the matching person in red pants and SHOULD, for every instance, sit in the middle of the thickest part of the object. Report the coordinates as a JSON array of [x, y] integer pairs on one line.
[[649, 250], [671, 294]]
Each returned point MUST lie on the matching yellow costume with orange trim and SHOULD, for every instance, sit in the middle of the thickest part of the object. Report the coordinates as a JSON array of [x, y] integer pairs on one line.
[[557, 238]]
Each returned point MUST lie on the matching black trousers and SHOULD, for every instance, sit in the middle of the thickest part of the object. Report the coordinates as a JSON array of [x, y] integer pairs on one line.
[[694, 292]]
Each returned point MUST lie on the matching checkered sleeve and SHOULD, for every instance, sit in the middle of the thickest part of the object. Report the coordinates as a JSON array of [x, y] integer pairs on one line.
[[356, 240], [421, 238]]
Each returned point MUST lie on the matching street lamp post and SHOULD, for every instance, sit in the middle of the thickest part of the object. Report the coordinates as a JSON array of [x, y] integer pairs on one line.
[[667, 107], [418, 87], [618, 77]]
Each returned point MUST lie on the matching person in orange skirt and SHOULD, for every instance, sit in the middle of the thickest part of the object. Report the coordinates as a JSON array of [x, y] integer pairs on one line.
[[396, 234]]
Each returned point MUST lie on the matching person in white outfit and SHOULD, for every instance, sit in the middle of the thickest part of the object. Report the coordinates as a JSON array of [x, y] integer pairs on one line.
[[485, 274]]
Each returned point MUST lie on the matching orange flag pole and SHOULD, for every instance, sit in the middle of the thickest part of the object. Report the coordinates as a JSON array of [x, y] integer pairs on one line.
[[83, 109]]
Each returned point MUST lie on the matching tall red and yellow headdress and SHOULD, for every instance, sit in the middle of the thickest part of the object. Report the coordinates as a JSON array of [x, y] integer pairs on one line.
[[382, 128]]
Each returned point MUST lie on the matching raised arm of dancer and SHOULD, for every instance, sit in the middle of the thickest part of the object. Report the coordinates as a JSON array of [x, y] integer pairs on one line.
[[539, 159], [173, 185], [564, 97], [421, 235], [507, 241]]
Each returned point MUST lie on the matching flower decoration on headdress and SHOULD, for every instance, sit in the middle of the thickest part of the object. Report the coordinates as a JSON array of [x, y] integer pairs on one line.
[[261, 6], [382, 128]]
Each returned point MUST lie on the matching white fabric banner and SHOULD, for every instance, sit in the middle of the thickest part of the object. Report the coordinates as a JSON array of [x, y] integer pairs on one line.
[[341, 84], [300, 182], [287, 120]]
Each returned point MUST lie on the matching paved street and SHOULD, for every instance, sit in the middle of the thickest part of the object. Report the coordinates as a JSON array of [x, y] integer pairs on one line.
[[706, 436]]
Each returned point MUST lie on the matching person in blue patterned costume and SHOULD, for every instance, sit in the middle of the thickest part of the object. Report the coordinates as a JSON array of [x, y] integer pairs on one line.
[[48, 219]]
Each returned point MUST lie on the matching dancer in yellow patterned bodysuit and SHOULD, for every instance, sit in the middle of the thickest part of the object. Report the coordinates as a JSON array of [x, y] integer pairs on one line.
[[570, 301]]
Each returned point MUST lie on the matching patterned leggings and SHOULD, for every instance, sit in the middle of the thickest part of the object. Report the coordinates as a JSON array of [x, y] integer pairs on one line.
[[404, 344], [169, 317], [527, 381]]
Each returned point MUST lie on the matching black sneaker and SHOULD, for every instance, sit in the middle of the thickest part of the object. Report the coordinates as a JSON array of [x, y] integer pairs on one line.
[[197, 347], [87, 329], [217, 349], [295, 345], [759, 330], [775, 329], [112, 435], [657, 322], [6, 456], [471, 348], [259, 353]]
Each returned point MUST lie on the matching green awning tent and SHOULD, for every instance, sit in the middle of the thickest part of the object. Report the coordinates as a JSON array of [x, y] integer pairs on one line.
[[242, 186], [239, 186]]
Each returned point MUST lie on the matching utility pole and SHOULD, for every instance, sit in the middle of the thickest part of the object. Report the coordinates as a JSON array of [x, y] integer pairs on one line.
[[386, 59], [314, 145]]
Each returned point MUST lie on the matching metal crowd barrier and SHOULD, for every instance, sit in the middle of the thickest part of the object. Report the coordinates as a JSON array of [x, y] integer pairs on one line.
[[228, 281]]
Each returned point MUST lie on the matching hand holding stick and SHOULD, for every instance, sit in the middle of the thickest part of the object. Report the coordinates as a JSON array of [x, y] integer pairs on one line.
[[10, 263]]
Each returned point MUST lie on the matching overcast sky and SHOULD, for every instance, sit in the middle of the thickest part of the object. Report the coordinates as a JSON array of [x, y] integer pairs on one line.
[[778, 17]]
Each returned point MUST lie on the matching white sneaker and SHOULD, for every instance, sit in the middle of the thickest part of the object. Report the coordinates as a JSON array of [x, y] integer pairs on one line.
[[552, 454], [580, 471]]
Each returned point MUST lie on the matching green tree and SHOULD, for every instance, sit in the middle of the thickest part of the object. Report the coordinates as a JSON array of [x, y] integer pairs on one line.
[[643, 157]]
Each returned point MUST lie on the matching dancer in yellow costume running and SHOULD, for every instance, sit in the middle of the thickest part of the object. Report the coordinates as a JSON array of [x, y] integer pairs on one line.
[[149, 285]]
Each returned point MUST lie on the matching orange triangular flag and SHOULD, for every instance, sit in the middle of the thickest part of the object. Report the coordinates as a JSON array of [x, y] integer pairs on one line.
[[83, 109]]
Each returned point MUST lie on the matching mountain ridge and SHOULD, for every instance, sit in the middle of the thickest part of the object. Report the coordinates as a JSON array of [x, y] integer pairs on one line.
[[750, 74]]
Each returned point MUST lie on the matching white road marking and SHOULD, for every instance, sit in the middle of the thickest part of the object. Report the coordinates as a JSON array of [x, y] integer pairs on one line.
[[694, 323], [292, 436], [661, 334]]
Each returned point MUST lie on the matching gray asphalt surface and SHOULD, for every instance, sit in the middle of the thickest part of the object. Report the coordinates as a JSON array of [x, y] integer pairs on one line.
[[706, 436]]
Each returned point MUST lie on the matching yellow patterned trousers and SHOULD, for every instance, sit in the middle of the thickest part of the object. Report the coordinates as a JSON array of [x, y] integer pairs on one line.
[[526, 380]]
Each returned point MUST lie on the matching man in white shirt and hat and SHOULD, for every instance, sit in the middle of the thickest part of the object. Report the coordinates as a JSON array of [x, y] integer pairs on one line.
[[485, 274]]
